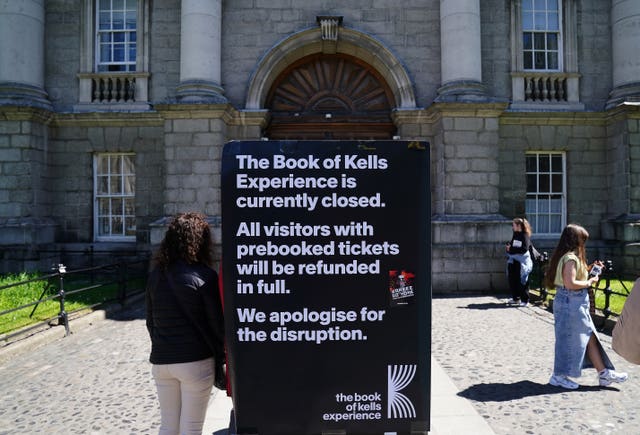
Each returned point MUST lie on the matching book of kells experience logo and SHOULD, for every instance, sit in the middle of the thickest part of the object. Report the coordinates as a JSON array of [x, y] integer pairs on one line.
[[399, 377], [368, 406]]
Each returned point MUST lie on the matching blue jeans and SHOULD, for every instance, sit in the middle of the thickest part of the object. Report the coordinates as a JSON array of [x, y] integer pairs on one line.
[[573, 328]]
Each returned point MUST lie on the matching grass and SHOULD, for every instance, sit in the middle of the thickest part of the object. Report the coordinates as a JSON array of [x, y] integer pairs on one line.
[[620, 289], [48, 310]]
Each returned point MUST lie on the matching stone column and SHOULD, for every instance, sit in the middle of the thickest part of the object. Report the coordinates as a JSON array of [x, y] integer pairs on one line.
[[22, 53], [625, 40], [200, 51], [461, 59]]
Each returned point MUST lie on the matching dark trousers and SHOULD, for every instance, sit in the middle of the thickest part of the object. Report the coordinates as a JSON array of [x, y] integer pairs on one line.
[[518, 290]]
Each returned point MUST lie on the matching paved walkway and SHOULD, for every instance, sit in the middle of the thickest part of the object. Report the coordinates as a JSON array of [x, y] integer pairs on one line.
[[490, 370]]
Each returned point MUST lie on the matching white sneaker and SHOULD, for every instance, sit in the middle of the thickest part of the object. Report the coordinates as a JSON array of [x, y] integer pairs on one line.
[[524, 304], [511, 302], [563, 381], [607, 377]]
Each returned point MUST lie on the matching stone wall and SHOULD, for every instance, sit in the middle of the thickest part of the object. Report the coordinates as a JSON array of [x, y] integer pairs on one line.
[[73, 141]]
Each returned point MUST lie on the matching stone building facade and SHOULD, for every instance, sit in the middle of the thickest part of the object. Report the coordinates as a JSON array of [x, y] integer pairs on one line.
[[113, 115]]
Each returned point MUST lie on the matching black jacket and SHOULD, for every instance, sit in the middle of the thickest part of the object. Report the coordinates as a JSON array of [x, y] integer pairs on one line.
[[184, 314]]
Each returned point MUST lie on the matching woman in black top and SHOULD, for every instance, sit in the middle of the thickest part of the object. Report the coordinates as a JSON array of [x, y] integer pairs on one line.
[[185, 324], [519, 262]]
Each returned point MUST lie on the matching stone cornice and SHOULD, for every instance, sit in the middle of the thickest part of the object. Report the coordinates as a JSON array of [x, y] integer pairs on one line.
[[476, 110], [25, 113], [107, 119], [554, 118]]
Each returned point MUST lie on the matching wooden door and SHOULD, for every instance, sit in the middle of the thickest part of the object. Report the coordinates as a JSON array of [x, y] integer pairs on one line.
[[330, 97]]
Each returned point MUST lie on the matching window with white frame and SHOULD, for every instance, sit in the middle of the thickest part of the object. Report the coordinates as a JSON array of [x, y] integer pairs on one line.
[[114, 197], [541, 35], [116, 40], [545, 205]]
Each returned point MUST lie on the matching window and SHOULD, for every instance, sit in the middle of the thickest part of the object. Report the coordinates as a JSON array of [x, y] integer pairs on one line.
[[544, 55], [114, 61], [541, 38], [114, 192], [545, 205], [116, 35]]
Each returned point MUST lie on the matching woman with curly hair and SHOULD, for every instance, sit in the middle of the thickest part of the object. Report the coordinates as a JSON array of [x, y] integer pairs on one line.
[[577, 345], [185, 324]]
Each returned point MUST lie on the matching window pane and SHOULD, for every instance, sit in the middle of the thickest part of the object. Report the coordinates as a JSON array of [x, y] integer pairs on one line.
[[129, 207], [103, 226], [118, 53], [540, 60], [527, 41], [544, 183], [102, 165], [105, 53], [115, 184], [117, 206], [556, 163], [543, 163], [553, 22], [527, 4], [130, 18], [527, 21], [540, 21], [556, 204], [532, 183], [555, 224], [127, 165], [543, 206], [539, 41], [532, 163], [552, 5], [118, 5], [105, 5], [129, 185], [543, 226], [552, 60], [541, 5], [104, 208], [117, 228], [102, 187], [552, 41], [556, 183], [528, 60], [131, 226], [104, 21]]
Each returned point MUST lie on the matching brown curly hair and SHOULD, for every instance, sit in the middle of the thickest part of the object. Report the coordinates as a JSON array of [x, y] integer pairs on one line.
[[188, 238]]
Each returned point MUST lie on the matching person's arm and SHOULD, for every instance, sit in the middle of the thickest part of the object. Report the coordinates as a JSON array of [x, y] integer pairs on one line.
[[152, 280], [569, 273]]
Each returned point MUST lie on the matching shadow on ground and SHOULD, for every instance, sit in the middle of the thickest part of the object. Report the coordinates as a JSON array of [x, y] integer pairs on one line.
[[497, 392]]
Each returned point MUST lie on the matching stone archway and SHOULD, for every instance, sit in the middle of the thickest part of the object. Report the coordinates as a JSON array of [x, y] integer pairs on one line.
[[359, 45], [330, 96]]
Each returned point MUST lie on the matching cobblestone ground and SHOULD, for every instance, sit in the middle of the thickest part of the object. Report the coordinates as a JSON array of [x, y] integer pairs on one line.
[[501, 359], [96, 381]]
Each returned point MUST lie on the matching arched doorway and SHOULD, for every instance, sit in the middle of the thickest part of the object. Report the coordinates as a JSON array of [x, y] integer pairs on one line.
[[330, 96]]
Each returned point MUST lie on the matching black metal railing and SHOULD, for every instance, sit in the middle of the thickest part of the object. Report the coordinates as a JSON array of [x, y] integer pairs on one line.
[[606, 278], [128, 277]]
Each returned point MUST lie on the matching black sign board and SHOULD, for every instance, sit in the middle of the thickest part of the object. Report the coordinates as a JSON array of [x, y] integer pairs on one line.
[[327, 287]]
